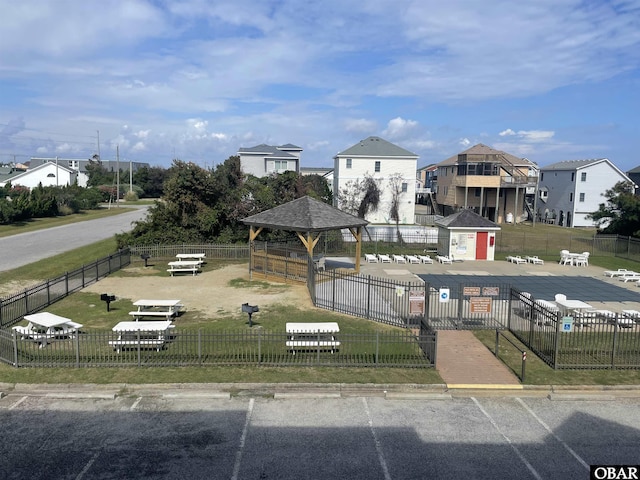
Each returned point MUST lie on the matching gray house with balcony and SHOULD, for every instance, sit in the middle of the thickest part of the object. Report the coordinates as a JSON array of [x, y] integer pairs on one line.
[[263, 160], [494, 184]]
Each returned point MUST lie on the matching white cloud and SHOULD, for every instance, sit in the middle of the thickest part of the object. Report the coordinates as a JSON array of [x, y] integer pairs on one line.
[[139, 147], [506, 132], [143, 134], [399, 127], [42, 150], [465, 142], [536, 135]]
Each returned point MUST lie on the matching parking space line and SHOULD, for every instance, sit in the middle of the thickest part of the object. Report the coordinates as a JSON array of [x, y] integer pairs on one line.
[[243, 438], [515, 449], [546, 427], [88, 465], [135, 404], [18, 402], [376, 441]]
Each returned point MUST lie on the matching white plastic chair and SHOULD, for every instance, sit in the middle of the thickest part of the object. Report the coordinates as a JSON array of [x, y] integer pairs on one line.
[[560, 297]]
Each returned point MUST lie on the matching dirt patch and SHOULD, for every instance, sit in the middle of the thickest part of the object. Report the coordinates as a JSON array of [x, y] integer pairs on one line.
[[208, 292]]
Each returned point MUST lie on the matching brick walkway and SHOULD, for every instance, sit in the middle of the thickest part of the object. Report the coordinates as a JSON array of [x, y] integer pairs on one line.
[[462, 360]]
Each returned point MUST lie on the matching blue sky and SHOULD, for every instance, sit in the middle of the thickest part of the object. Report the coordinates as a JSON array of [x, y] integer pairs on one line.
[[549, 80]]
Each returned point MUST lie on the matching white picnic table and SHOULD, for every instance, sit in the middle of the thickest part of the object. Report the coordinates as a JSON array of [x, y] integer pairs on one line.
[[156, 308], [153, 334], [312, 336], [184, 266], [571, 305], [192, 256], [44, 327]]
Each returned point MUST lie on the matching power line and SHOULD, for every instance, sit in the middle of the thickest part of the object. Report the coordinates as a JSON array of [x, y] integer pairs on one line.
[[45, 132]]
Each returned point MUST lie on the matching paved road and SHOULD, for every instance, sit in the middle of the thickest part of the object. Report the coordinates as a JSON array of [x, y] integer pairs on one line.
[[25, 248], [200, 434]]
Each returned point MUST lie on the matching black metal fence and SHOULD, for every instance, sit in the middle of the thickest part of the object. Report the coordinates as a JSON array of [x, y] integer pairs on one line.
[[588, 340], [228, 251], [35, 298], [592, 342], [204, 348]]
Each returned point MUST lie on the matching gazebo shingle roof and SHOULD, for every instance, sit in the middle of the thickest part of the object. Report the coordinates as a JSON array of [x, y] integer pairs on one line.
[[467, 219], [304, 214]]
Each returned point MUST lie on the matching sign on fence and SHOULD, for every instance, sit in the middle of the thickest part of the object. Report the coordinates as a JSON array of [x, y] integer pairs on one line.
[[480, 304], [416, 302], [443, 295]]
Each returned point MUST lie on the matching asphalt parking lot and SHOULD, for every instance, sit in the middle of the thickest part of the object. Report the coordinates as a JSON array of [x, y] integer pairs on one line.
[[308, 435]]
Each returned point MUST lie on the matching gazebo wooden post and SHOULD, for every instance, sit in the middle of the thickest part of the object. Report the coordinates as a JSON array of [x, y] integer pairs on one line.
[[357, 233], [309, 242], [253, 234]]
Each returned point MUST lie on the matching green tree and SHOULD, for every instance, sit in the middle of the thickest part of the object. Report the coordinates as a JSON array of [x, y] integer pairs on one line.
[[150, 180], [620, 214]]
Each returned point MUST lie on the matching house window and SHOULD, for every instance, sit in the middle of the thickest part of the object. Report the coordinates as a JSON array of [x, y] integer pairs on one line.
[[477, 192], [571, 197], [348, 163], [377, 168], [280, 165], [51, 175], [404, 187], [541, 176], [573, 176], [582, 197], [583, 177]]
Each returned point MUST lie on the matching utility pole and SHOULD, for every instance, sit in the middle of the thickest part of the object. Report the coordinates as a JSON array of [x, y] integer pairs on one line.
[[130, 176], [57, 171], [117, 174], [98, 144]]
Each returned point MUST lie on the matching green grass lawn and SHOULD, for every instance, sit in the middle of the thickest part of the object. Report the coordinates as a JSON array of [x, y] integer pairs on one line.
[[34, 224]]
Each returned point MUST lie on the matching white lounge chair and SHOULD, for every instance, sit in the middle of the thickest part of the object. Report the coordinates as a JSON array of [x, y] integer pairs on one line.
[[370, 258], [534, 260], [399, 259], [516, 259], [425, 258], [619, 272], [634, 277], [384, 258], [444, 259], [412, 259]]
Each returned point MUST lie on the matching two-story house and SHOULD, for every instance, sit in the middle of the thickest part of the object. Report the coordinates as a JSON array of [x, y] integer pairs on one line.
[[388, 164], [493, 183], [263, 160], [571, 190]]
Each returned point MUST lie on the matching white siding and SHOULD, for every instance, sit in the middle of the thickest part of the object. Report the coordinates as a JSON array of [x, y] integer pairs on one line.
[[388, 167]]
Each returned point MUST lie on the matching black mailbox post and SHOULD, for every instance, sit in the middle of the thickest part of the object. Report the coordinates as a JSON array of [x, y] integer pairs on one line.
[[250, 310], [145, 257], [105, 297]]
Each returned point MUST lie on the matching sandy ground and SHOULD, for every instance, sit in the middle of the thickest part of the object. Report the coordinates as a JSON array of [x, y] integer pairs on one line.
[[208, 292]]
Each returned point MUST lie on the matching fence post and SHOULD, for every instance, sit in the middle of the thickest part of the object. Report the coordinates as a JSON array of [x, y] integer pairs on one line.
[[524, 364], [377, 347], [333, 291], [200, 346], [259, 346], [368, 315], [139, 349], [15, 348], [556, 346], [66, 283], [497, 341], [48, 292], [318, 351], [76, 345], [83, 284], [615, 342]]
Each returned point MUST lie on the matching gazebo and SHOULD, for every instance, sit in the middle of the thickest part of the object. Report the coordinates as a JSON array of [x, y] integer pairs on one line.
[[308, 218]]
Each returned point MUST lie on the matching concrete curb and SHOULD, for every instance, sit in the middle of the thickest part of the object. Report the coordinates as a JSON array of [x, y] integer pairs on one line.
[[311, 390]]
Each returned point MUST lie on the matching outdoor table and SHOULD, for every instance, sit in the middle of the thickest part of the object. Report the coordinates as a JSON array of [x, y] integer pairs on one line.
[[573, 305], [44, 327], [191, 256], [156, 308], [184, 266], [136, 335]]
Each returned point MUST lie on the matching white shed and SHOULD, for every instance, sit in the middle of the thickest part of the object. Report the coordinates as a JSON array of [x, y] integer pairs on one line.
[[467, 236]]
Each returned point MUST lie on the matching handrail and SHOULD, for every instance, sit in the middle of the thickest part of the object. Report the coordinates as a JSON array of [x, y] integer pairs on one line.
[[523, 352]]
